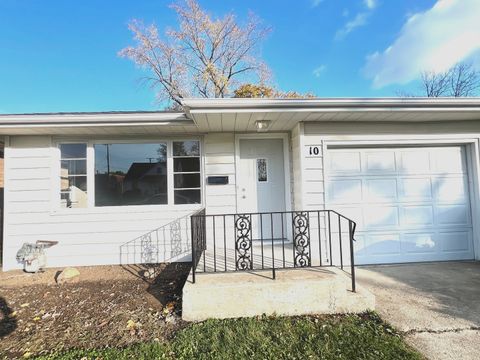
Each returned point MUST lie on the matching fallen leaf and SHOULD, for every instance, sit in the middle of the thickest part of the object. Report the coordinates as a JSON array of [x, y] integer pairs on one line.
[[171, 305], [131, 325], [37, 318]]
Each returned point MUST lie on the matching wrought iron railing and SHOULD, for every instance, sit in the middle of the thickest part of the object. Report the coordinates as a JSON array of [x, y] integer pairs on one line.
[[167, 243], [271, 241]]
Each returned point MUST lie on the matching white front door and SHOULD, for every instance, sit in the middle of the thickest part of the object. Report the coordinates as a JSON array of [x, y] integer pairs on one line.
[[410, 203], [261, 181]]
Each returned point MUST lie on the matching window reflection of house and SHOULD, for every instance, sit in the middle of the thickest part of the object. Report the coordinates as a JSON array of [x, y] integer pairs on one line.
[[146, 182]]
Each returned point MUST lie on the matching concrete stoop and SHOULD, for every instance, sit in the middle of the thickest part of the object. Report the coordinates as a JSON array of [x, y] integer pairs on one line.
[[294, 292]]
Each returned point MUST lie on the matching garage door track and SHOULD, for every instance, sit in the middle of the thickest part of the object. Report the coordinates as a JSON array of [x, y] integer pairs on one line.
[[436, 305]]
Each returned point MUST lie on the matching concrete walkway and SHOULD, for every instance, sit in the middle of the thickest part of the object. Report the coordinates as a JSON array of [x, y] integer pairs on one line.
[[437, 305]]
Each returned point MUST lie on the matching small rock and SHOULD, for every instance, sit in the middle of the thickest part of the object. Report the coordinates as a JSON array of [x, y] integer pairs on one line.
[[69, 274], [149, 273], [171, 319]]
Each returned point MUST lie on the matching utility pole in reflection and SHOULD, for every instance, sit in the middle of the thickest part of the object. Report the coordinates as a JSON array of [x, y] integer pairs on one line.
[[108, 159]]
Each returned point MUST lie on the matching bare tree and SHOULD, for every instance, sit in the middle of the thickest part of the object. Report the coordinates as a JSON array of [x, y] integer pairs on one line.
[[464, 80], [204, 57], [459, 81], [435, 84]]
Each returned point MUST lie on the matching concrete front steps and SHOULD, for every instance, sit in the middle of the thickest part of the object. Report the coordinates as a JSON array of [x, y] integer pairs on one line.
[[293, 292]]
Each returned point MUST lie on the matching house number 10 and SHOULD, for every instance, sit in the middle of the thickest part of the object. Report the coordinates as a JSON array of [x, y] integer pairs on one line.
[[314, 151]]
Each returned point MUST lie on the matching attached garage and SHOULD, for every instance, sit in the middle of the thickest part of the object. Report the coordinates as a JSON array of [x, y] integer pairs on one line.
[[411, 203]]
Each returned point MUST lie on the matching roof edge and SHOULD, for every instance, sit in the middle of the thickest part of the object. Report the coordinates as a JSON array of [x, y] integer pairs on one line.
[[94, 118], [198, 104]]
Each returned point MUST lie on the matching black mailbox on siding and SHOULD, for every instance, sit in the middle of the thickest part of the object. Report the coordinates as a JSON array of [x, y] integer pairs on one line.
[[217, 180]]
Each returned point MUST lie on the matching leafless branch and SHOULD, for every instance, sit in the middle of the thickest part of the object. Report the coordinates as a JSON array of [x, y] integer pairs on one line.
[[203, 56]]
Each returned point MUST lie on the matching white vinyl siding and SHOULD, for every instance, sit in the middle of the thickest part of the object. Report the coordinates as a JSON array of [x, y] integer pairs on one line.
[[296, 167], [219, 150], [90, 236]]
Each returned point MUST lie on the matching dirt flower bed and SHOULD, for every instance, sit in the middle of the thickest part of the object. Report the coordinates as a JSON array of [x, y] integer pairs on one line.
[[104, 306]]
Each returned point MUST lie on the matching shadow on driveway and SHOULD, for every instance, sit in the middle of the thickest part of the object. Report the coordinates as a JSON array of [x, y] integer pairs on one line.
[[434, 296]]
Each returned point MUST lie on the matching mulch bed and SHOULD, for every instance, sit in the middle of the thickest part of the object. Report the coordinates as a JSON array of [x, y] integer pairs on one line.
[[106, 306]]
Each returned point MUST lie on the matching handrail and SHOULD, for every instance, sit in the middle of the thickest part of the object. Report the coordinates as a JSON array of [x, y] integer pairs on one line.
[[271, 240], [162, 244]]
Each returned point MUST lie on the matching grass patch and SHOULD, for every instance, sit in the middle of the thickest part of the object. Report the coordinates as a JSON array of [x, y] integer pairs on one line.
[[331, 337]]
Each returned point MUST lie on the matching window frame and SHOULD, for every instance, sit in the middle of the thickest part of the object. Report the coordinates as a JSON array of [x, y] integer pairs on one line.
[[58, 178], [199, 172], [91, 175]]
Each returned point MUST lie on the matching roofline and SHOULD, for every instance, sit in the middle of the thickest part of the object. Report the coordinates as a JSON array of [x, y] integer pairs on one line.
[[196, 105], [123, 118]]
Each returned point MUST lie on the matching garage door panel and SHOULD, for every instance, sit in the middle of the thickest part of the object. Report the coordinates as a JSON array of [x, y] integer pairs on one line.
[[346, 161], [380, 161], [415, 161], [419, 243], [449, 160], [416, 189], [352, 213], [346, 191], [410, 204], [381, 217], [383, 244], [452, 215], [417, 215], [458, 241], [381, 190], [451, 189]]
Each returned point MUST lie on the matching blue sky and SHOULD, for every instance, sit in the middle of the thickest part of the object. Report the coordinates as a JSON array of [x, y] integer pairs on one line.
[[61, 55]]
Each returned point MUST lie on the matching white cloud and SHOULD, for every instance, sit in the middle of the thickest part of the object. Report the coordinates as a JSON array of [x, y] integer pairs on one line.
[[318, 71], [359, 20], [433, 40], [370, 4]]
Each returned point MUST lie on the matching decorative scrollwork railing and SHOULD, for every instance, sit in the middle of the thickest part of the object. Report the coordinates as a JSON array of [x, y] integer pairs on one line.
[[271, 241], [243, 242], [169, 242]]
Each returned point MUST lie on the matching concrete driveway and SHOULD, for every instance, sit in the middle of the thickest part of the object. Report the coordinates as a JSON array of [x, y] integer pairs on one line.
[[436, 305]]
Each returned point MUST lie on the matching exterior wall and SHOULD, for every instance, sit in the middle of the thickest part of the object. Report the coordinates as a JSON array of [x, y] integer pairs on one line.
[[219, 150], [296, 167], [320, 134], [88, 236]]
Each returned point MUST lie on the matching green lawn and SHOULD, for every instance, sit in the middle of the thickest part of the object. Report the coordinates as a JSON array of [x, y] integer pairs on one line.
[[331, 337]]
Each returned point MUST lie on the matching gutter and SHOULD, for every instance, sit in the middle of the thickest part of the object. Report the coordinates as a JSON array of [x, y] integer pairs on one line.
[[331, 105], [95, 119]]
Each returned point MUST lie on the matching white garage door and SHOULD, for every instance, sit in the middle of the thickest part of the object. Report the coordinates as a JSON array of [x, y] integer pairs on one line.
[[410, 204]]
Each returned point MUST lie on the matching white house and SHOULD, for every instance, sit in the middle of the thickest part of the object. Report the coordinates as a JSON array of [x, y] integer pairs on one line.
[[406, 170]]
